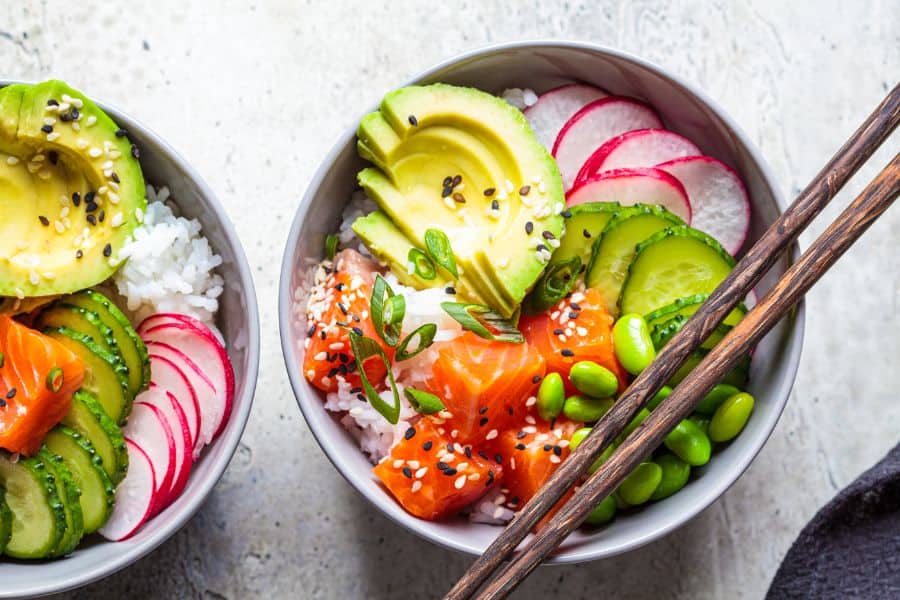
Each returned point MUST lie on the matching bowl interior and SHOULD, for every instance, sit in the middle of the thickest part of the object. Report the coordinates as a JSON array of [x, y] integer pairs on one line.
[[542, 67], [239, 324]]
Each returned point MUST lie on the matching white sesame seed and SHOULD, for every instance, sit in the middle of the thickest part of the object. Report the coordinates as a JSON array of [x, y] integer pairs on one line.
[[114, 154], [450, 203], [454, 434], [532, 400], [491, 434], [95, 152], [460, 482], [581, 331], [49, 121], [398, 463], [462, 466], [321, 356], [64, 106], [416, 486], [498, 512], [91, 120], [20, 293], [52, 136], [555, 459], [449, 458], [512, 462], [64, 212], [81, 144], [77, 102], [116, 220], [336, 346], [76, 126], [33, 278], [474, 476], [12, 160], [44, 174], [509, 186], [107, 165], [530, 420], [421, 472], [60, 228]]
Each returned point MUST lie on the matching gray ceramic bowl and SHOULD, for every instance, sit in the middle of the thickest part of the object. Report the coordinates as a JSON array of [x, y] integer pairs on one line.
[[686, 110], [239, 323]]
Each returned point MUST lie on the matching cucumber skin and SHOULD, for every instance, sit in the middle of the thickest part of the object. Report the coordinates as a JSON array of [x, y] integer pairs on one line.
[[682, 231], [119, 369], [5, 521], [662, 315], [70, 495], [663, 332], [91, 300], [96, 464], [41, 473], [109, 427]]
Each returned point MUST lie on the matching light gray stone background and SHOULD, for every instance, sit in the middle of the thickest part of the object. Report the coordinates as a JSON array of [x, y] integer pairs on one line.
[[254, 93]]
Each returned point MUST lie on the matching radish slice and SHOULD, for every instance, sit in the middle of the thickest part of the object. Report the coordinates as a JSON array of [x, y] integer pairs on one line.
[[636, 149], [135, 497], [719, 202], [149, 428], [592, 126], [212, 411], [175, 417], [552, 109], [634, 186], [167, 376]]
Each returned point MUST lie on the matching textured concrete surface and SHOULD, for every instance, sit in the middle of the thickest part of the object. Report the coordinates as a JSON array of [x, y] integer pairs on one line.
[[255, 93]]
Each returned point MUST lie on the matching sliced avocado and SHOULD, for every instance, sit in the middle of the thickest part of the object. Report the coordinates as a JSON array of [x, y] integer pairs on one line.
[[421, 139], [71, 190]]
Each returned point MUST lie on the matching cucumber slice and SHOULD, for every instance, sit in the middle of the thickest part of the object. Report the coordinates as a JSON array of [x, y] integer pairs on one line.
[[672, 264], [583, 228], [97, 491], [89, 419], [663, 332], [615, 249], [39, 518], [737, 377], [70, 495], [80, 320], [106, 376], [5, 521], [687, 307], [131, 347]]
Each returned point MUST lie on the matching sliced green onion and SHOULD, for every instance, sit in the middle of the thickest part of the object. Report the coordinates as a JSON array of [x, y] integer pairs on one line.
[[331, 244], [2, 360], [421, 264], [426, 335], [55, 379], [423, 402], [437, 245], [483, 322], [385, 308], [554, 285], [364, 348]]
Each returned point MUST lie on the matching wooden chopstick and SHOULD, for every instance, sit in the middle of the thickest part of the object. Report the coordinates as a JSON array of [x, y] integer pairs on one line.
[[858, 148], [823, 253]]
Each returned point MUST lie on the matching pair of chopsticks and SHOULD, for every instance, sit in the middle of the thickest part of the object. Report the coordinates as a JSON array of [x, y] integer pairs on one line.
[[799, 278]]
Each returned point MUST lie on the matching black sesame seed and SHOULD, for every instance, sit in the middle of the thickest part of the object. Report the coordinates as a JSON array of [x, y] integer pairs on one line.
[[11, 393], [343, 308], [358, 330], [409, 433], [489, 191], [586, 233], [557, 450], [120, 133], [360, 396], [566, 352], [91, 206], [450, 472], [65, 117], [53, 157], [457, 179], [44, 221], [468, 452], [408, 472], [536, 379], [413, 120], [343, 357], [322, 334], [566, 214], [92, 219], [107, 250], [89, 197], [498, 458], [483, 421], [451, 448], [311, 331], [342, 324], [47, 128], [76, 199], [115, 177], [547, 447], [548, 235], [575, 305], [102, 216], [523, 191], [529, 227], [520, 446], [427, 445], [573, 315], [52, 102], [75, 114], [135, 152], [495, 205], [510, 411], [541, 247], [2, 403], [514, 501], [483, 455], [450, 290], [442, 466], [520, 435], [79, 254], [446, 192], [448, 181], [558, 331], [332, 372], [482, 410], [459, 198]]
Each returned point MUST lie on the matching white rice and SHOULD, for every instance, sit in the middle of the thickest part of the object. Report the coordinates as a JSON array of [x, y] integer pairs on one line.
[[490, 509], [168, 265], [519, 97], [359, 206]]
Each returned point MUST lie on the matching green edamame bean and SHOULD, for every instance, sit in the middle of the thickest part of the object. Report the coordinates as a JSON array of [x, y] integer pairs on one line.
[[594, 380], [584, 409], [640, 484], [689, 443], [702, 421], [551, 396], [633, 424], [675, 475], [604, 512], [632, 343], [576, 440], [663, 393], [716, 396], [620, 503], [730, 418]]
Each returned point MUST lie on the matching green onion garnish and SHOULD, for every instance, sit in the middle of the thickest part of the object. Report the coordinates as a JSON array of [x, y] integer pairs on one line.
[[2, 360], [421, 264], [554, 285], [364, 348], [426, 337], [423, 402], [331, 244], [387, 311], [437, 245], [55, 379], [477, 319]]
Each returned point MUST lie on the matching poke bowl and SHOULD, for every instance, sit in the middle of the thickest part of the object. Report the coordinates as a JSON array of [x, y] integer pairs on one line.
[[126, 283], [513, 197]]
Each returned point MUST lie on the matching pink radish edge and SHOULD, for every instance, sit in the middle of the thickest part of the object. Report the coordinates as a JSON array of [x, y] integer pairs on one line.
[[193, 405], [564, 101], [677, 201], [142, 437], [135, 496]]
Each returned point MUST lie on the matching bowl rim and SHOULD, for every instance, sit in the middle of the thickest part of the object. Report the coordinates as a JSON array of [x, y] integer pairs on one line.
[[583, 553], [231, 436]]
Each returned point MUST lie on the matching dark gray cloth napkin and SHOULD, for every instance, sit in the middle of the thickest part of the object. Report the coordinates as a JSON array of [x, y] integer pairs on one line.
[[851, 548]]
